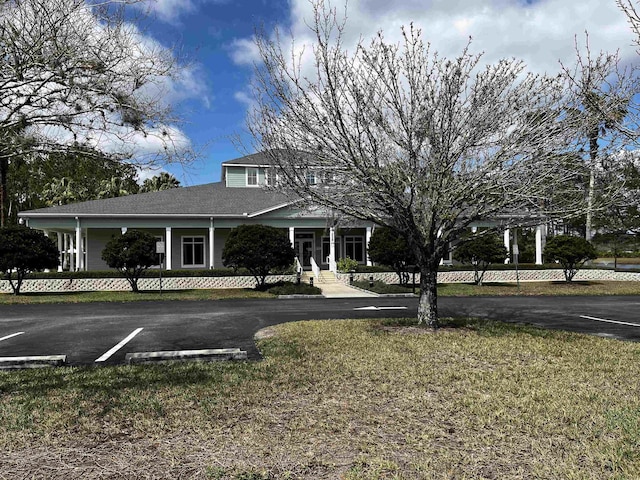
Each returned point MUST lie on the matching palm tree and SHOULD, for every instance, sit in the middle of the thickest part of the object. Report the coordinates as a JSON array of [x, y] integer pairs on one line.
[[163, 181], [114, 187], [61, 191]]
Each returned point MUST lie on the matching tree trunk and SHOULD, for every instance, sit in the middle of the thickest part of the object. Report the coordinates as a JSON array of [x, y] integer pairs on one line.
[[593, 155], [4, 169], [428, 302]]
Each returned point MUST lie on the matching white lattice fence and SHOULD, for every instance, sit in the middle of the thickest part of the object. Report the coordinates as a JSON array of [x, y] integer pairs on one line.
[[503, 276], [121, 284]]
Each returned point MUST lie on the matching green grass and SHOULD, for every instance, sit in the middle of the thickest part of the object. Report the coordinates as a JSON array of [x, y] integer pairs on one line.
[[525, 288], [86, 297], [345, 399]]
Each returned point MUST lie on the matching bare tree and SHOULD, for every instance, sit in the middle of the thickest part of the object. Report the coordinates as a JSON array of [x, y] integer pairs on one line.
[[602, 95], [629, 7], [76, 74], [402, 137]]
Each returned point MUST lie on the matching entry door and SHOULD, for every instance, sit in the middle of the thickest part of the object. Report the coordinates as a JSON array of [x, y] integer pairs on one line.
[[304, 248]]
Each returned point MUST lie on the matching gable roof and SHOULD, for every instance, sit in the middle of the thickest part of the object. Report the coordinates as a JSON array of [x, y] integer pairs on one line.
[[211, 199]]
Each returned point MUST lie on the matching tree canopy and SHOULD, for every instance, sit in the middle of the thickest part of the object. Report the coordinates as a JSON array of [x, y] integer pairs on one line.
[[258, 248], [131, 253], [23, 250], [406, 138], [77, 76], [389, 248], [481, 251], [570, 252]]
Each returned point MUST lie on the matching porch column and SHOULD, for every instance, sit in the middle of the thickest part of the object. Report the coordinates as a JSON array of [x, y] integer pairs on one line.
[[72, 256], [367, 240], [211, 244], [46, 234], [332, 250], [123, 230], [60, 252], [167, 248], [292, 237], [65, 251], [540, 234], [507, 244], [79, 256]]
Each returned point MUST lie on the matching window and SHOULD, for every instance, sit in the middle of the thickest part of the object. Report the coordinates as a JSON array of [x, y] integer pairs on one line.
[[311, 178], [269, 176], [354, 248], [252, 177], [326, 250], [193, 251]]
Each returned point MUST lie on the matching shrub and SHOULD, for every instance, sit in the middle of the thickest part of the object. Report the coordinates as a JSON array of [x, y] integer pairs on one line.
[[259, 249], [131, 253], [23, 250], [481, 251], [346, 264], [388, 247], [571, 252], [290, 288]]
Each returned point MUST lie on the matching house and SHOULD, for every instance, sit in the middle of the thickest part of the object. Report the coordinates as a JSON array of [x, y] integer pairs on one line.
[[194, 222]]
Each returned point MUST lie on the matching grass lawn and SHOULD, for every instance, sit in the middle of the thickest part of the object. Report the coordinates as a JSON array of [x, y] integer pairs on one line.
[[526, 288], [84, 297], [341, 399]]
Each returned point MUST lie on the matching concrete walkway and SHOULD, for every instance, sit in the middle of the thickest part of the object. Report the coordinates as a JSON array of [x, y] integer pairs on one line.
[[332, 288]]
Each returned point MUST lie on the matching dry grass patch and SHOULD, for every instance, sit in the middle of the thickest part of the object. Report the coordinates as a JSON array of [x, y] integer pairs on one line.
[[341, 399]]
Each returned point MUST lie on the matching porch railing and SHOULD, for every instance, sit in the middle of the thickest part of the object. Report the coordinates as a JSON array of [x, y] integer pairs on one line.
[[298, 265], [315, 269]]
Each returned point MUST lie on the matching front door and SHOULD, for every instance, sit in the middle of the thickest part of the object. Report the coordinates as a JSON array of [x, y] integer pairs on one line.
[[304, 248]]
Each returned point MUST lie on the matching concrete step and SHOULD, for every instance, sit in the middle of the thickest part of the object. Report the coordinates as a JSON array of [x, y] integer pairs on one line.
[[41, 361], [206, 355]]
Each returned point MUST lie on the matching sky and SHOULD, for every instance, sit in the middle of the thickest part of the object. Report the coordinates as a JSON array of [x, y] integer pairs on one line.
[[213, 39]]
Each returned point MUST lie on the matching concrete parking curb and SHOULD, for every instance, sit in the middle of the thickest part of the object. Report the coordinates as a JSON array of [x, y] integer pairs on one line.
[[40, 361], [206, 355]]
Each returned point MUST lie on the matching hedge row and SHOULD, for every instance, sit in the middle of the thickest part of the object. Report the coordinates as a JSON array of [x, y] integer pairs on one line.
[[153, 273]]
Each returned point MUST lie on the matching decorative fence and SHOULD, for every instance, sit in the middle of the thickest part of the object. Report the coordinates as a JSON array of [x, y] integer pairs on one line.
[[502, 276], [121, 284]]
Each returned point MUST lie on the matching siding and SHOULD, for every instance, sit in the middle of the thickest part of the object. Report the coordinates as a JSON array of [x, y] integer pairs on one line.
[[236, 177]]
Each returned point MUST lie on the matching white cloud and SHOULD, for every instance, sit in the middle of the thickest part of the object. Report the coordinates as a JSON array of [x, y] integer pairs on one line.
[[170, 11], [540, 33], [244, 51]]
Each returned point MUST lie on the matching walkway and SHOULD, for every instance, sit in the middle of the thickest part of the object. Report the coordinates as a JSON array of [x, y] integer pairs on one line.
[[332, 288]]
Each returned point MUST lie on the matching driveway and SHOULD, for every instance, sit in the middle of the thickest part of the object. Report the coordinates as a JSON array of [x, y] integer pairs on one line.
[[102, 333]]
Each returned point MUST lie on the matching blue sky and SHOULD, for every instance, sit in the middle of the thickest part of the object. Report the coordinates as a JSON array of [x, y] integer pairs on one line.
[[214, 38]]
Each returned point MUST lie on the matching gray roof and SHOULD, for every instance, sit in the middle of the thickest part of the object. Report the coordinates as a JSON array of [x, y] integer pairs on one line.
[[213, 199], [259, 158]]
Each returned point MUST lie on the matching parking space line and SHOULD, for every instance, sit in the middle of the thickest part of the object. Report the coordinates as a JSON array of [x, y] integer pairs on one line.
[[11, 336], [609, 321], [117, 347]]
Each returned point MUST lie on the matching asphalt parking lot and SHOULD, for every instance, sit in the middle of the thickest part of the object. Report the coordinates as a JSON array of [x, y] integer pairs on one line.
[[104, 333]]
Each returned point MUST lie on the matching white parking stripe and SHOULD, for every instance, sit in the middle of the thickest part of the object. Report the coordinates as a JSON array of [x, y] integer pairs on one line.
[[11, 336], [113, 350], [609, 321]]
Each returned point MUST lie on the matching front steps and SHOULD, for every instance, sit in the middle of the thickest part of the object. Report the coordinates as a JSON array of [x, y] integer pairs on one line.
[[332, 288]]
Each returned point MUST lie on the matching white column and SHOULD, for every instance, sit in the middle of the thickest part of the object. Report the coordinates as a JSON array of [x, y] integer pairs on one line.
[[368, 238], [507, 244], [211, 244], [60, 252], [79, 256], [540, 234], [46, 234], [72, 257], [123, 230], [65, 255], [167, 249], [332, 249], [292, 237]]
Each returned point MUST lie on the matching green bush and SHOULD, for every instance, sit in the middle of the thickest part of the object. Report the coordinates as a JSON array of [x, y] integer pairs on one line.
[[346, 264], [388, 247], [131, 253], [258, 248], [23, 250], [480, 251], [570, 252], [290, 288]]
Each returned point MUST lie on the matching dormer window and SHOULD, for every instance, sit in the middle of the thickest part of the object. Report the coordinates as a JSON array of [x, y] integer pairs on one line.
[[311, 178], [252, 177]]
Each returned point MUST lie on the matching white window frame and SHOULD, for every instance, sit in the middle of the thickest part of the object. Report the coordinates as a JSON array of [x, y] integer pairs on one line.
[[249, 173], [311, 178], [355, 239], [204, 251]]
